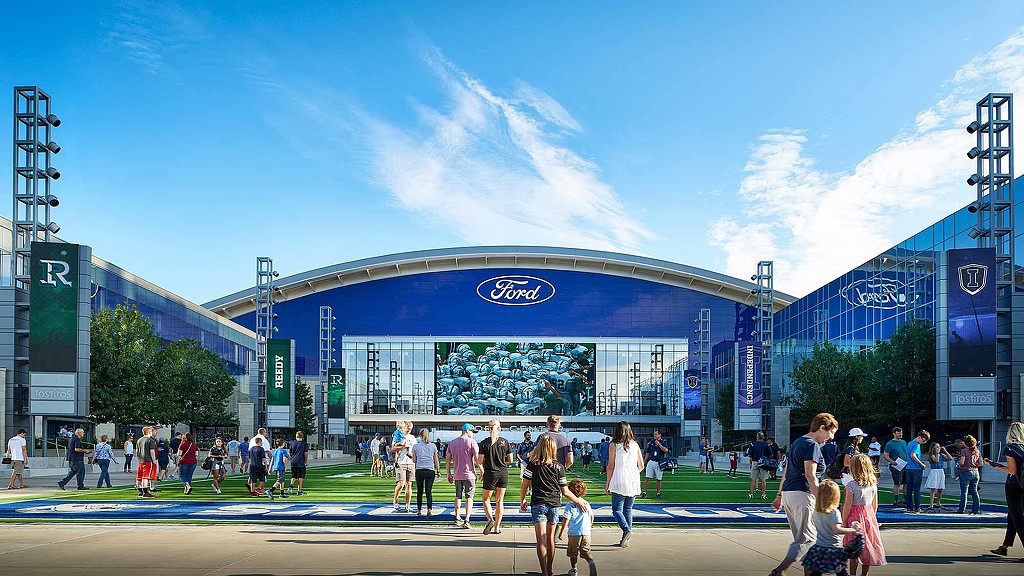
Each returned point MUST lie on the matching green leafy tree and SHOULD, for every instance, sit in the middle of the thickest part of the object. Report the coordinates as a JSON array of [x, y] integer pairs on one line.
[[903, 370], [200, 380], [124, 386], [724, 408], [831, 380], [305, 416]]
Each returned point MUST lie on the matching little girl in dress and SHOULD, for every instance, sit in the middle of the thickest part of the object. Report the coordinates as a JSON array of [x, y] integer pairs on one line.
[[860, 506]]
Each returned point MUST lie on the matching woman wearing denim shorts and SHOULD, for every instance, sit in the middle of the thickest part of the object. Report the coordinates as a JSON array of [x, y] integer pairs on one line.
[[546, 477]]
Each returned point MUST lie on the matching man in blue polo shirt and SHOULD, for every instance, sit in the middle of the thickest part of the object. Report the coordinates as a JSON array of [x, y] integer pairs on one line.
[[896, 449], [656, 449], [603, 452]]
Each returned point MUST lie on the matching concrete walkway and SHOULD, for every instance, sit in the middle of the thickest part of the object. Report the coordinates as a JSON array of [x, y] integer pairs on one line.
[[84, 549]]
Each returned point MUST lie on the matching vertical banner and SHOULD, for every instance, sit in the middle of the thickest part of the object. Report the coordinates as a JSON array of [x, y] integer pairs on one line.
[[336, 393], [53, 300], [691, 395], [971, 312], [280, 378], [747, 415]]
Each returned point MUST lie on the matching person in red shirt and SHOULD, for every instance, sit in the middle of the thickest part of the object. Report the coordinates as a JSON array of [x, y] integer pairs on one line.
[[187, 461], [734, 459]]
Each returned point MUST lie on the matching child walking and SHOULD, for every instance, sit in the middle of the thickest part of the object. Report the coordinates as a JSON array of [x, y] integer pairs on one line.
[[828, 556], [860, 505], [734, 460], [936, 482], [277, 459], [579, 521]]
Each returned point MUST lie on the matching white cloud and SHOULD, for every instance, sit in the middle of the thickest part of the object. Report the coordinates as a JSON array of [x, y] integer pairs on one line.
[[491, 169], [817, 225]]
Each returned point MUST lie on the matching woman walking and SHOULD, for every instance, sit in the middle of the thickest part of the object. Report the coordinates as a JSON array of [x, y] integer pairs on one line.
[[799, 486], [852, 447], [104, 455], [546, 478], [188, 457], [427, 466], [970, 463], [1014, 469], [129, 452], [217, 455], [936, 483], [861, 505], [625, 461]]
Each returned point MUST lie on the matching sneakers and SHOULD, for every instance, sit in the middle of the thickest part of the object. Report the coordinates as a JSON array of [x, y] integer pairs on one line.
[[270, 493], [658, 496], [61, 486], [750, 496], [643, 495], [429, 515], [147, 495], [624, 542], [573, 572], [1001, 551], [489, 527], [408, 510], [764, 496], [300, 493], [458, 522], [254, 494], [284, 494], [216, 489]]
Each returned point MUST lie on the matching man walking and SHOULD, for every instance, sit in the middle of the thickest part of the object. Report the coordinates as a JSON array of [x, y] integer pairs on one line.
[[896, 449], [233, 445], [76, 461], [175, 444], [495, 456], [145, 475], [460, 462], [375, 467], [656, 450], [565, 455], [18, 454], [405, 463], [298, 455], [603, 453], [757, 450]]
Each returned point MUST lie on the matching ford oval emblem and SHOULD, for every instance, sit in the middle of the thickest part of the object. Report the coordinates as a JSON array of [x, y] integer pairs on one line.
[[881, 293], [515, 290]]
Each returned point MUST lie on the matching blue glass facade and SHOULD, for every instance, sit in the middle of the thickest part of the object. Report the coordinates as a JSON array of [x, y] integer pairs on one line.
[[173, 318]]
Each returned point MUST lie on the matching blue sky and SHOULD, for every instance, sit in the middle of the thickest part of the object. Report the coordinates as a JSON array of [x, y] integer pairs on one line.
[[198, 136]]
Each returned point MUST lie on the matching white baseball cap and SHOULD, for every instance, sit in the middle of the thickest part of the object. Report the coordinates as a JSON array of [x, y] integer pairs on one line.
[[856, 432]]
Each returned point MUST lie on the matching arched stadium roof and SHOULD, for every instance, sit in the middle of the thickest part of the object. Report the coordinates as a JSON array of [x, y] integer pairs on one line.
[[482, 257]]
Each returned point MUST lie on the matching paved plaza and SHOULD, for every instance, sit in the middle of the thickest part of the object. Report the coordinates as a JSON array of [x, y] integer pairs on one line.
[[185, 550]]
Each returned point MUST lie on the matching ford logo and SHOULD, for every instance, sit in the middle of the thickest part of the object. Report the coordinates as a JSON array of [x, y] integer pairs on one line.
[[878, 293], [515, 290]]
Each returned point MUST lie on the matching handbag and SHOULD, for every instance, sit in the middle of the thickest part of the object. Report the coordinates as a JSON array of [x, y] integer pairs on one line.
[[668, 463], [208, 463], [7, 460]]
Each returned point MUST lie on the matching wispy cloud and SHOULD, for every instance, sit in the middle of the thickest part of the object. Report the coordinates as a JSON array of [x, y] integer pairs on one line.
[[149, 33], [816, 224], [498, 169]]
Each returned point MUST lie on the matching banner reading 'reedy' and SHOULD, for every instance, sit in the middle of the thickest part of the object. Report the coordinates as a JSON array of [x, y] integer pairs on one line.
[[53, 332], [279, 372]]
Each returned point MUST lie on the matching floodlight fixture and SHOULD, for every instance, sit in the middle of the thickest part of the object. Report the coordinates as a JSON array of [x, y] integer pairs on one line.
[[973, 207], [973, 127], [50, 200], [973, 180], [52, 228], [974, 233], [53, 147]]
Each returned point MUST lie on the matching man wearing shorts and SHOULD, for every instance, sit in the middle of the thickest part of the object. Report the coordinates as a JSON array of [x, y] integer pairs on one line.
[[233, 445], [523, 451], [375, 467], [495, 456], [757, 450], [405, 464], [19, 458], [145, 474], [656, 450], [460, 462], [896, 449], [298, 456], [257, 467]]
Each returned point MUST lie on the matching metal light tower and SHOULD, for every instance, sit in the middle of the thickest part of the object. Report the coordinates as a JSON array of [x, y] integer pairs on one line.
[[326, 361], [700, 358], [265, 329], [764, 330], [33, 199], [993, 181]]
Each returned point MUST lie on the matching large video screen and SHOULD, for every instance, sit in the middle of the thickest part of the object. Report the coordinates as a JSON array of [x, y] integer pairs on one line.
[[522, 379]]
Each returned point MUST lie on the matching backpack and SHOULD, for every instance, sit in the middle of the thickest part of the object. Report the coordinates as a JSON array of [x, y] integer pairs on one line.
[[834, 471], [668, 463]]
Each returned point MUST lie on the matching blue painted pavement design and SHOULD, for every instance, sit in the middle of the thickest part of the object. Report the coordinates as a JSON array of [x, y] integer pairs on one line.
[[262, 510]]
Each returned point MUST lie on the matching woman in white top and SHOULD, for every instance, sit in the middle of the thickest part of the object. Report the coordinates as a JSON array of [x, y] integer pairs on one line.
[[624, 465], [874, 451], [129, 451]]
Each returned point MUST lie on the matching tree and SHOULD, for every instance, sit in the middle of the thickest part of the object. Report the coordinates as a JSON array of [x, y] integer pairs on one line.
[[200, 380], [903, 370], [124, 386], [830, 380], [305, 416], [724, 408]]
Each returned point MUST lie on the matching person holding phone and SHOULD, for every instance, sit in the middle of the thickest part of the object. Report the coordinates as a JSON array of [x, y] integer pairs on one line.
[[1014, 469]]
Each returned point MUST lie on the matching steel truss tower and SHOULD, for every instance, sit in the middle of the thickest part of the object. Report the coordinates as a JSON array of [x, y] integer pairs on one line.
[[326, 361], [764, 330], [700, 358], [264, 329]]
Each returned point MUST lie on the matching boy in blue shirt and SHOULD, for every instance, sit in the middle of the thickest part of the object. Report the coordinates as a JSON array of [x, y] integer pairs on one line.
[[277, 459], [579, 521], [914, 471]]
